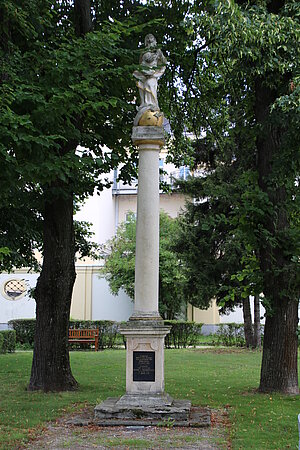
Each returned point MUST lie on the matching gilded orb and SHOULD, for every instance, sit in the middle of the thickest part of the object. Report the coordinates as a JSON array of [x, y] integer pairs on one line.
[[152, 118]]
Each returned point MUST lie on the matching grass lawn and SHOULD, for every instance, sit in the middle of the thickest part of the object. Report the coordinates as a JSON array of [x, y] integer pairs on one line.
[[213, 377]]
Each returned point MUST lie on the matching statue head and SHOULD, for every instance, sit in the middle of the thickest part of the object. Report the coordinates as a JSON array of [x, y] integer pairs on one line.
[[150, 41]]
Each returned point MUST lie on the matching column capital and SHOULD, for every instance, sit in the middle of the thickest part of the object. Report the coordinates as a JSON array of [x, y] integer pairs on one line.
[[148, 136]]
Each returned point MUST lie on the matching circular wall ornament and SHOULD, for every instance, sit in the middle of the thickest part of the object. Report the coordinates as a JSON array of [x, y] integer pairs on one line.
[[14, 289]]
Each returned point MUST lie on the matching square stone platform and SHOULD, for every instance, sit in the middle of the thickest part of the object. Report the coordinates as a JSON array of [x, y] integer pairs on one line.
[[178, 414]]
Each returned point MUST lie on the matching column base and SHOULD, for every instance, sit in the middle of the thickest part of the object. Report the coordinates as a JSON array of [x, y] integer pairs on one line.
[[118, 409]]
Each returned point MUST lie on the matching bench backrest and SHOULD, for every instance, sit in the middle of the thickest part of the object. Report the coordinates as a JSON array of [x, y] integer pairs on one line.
[[83, 333]]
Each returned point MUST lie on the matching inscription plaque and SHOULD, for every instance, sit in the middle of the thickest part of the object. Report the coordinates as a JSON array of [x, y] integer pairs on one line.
[[143, 366]]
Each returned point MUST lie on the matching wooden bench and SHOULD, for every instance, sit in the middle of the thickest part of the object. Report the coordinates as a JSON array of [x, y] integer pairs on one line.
[[84, 335]]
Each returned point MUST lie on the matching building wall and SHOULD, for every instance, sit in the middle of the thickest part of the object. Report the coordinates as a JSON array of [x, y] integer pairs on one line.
[[212, 318], [23, 308], [99, 210], [92, 299], [209, 316], [172, 204], [106, 306]]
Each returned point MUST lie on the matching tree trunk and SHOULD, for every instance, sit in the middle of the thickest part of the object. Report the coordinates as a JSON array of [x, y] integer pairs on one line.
[[247, 322], [256, 328], [279, 361], [82, 17], [51, 366]]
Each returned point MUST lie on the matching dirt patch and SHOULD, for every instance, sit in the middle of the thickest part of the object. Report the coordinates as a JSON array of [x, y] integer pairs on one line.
[[61, 436], [221, 350]]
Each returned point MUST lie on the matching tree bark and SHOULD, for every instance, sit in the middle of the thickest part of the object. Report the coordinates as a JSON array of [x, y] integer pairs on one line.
[[51, 366], [248, 330], [279, 361], [256, 328], [82, 17]]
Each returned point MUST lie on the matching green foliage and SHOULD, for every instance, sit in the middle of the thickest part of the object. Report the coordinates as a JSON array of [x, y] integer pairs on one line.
[[1, 342], [59, 91], [230, 335], [119, 256], [236, 214], [25, 330], [119, 267], [7, 341], [4, 251], [182, 334]]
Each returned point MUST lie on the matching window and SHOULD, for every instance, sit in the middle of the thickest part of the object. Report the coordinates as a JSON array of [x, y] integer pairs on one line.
[[14, 289], [184, 172]]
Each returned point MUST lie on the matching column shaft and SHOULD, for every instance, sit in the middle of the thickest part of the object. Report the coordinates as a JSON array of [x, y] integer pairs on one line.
[[147, 233]]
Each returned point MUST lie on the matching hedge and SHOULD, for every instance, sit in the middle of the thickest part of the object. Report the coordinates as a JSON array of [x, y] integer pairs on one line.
[[25, 330], [230, 335], [182, 334], [1, 342], [7, 341], [108, 331]]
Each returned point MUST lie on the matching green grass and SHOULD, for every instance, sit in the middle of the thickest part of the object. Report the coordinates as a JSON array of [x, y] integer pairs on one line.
[[218, 378], [205, 340]]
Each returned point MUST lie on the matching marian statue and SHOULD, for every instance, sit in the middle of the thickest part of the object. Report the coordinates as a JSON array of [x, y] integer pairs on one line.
[[153, 65]]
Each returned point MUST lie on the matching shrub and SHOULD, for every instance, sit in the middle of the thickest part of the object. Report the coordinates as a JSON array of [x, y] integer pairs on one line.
[[108, 331], [182, 334], [1, 342], [230, 335], [25, 331], [8, 341]]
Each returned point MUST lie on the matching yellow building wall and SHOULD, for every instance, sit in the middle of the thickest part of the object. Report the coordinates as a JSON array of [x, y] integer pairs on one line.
[[172, 204], [209, 316], [81, 306]]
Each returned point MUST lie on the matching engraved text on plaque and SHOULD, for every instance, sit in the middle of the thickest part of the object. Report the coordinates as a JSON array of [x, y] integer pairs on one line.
[[143, 366]]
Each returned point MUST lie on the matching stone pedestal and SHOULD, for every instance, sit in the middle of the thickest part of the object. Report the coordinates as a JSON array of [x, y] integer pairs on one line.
[[145, 364]]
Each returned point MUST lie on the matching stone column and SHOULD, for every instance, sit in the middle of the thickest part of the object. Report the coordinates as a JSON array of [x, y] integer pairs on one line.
[[145, 331], [149, 140]]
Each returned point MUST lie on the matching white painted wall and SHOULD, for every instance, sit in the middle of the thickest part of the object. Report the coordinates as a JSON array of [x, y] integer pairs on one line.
[[99, 210], [237, 315], [17, 309], [106, 306]]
